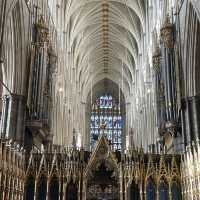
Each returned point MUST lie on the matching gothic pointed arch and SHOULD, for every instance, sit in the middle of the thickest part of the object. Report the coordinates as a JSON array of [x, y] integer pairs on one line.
[[29, 188], [102, 173], [163, 189], [150, 189], [54, 188], [176, 190], [106, 104], [71, 192], [41, 187], [134, 190]]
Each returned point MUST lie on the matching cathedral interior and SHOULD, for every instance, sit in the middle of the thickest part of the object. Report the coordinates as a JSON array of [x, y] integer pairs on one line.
[[99, 99]]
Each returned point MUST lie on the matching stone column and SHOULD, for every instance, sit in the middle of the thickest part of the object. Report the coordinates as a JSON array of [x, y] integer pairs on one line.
[[121, 183], [87, 131], [183, 122], [19, 190], [47, 192], [3, 4], [36, 185], [60, 184], [157, 192], [64, 187], [16, 119], [145, 193], [13, 189], [126, 189], [191, 119], [79, 189], [4, 186], [194, 112], [84, 191], [170, 192], [140, 185], [189, 135], [7, 188], [4, 115]]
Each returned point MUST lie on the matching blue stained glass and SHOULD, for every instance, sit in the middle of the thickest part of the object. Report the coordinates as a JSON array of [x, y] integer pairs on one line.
[[119, 122], [101, 119], [92, 121], [110, 122], [150, 190], [96, 121], [106, 121], [110, 102], [110, 135], [176, 191], [106, 112], [115, 122], [102, 102], [163, 191], [106, 102]]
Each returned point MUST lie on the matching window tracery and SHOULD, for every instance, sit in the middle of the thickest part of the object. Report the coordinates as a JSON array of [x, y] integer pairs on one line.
[[106, 118]]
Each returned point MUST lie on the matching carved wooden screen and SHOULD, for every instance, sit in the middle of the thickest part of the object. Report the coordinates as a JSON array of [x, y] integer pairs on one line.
[[134, 191], [150, 190], [71, 192], [163, 190], [176, 191], [42, 188], [30, 188], [54, 189]]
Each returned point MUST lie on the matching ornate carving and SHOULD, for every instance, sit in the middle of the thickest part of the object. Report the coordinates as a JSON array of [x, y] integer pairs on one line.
[[42, 31], [167, 33], [69, 167], [156, 59], [12, 172]]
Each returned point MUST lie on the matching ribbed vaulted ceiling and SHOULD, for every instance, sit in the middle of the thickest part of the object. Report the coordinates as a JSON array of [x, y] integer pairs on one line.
[[104, 34]]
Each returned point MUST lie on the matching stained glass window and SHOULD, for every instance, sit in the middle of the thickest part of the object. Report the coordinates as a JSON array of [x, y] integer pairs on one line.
[[106, 111]]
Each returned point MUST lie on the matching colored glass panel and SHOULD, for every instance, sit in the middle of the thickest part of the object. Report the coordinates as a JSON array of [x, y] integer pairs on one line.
[[106, 113]]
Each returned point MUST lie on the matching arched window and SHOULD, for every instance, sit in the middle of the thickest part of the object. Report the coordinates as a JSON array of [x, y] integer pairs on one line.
[[106, 112]]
